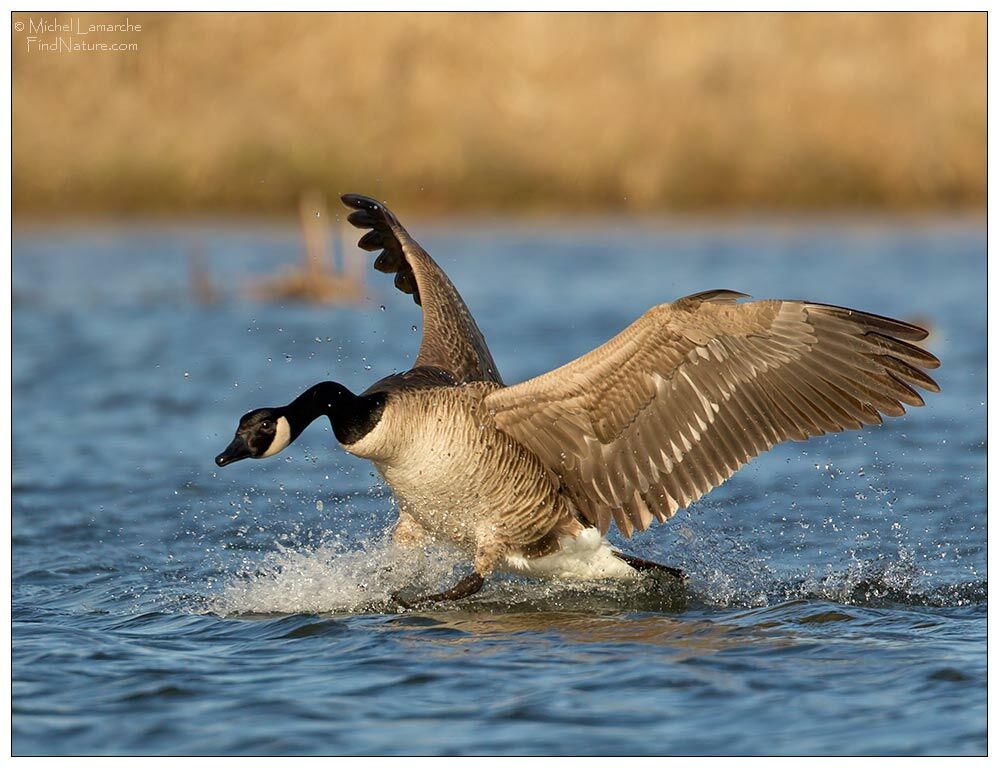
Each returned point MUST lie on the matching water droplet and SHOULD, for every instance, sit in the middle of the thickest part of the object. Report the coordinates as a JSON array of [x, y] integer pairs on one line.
[[382, 307], [187, 374], [414, 327], [319, 505]]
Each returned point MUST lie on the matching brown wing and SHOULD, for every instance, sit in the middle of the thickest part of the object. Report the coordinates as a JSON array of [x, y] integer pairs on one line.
[[673, 405], [451, 339]]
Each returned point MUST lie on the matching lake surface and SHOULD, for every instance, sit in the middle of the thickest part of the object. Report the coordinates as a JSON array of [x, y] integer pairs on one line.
[[837, 593]]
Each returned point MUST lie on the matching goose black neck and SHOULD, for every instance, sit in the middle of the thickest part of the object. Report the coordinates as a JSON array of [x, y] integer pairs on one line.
[[351, 416]]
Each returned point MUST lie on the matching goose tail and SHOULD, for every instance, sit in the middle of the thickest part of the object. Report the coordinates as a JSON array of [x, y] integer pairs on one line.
[[647, 566]]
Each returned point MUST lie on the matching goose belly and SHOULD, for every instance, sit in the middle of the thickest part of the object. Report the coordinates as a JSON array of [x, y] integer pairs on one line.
[[458, 476], [442, 493], [586, 557]]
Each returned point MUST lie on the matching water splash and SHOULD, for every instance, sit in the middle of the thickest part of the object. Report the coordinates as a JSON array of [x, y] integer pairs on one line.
[[725, 569], [890, 580], [332, 579]]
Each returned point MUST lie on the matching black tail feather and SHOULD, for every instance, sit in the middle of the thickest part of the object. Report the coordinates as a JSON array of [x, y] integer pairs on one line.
[[648, 566]]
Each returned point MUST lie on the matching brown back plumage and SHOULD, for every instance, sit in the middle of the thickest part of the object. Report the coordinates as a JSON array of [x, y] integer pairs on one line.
[[451, 339], [673, 405]]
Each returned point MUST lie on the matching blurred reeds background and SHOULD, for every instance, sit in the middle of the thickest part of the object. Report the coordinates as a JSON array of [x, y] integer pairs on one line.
[[238, 113]]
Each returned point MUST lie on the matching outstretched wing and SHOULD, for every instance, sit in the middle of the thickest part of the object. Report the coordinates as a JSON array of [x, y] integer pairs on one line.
[[673, 405], [451, 339]]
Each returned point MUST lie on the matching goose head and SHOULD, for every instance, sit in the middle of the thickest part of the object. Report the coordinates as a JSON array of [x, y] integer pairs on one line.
[[261, 433], [265, 432]]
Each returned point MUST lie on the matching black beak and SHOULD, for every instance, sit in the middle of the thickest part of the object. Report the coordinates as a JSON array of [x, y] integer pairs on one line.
[[238, 449]]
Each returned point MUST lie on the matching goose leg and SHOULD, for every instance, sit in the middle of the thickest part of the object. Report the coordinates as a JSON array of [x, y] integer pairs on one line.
[[408, 533], [487, 554], [469, 585]]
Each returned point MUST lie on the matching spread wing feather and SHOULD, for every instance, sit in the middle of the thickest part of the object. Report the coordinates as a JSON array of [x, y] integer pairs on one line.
[[451, 339], [673, 405]]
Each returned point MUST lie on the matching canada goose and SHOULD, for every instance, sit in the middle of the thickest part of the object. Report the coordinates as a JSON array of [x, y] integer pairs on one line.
[[530, 477]]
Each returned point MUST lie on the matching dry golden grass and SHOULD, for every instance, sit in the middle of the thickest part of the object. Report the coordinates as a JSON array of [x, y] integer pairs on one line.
[[240, 112]]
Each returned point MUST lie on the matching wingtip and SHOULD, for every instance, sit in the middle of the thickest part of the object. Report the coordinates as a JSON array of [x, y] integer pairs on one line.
[[383, 233], [360, 202]]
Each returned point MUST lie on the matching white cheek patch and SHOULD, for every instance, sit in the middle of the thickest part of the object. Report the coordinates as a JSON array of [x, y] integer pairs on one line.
[[282, 436]]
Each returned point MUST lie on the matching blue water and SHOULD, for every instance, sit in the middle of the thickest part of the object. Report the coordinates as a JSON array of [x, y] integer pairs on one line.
[[837, 594]]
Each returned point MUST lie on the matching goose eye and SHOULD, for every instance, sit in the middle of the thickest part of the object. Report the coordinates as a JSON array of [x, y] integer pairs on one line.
[[265, 424]]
